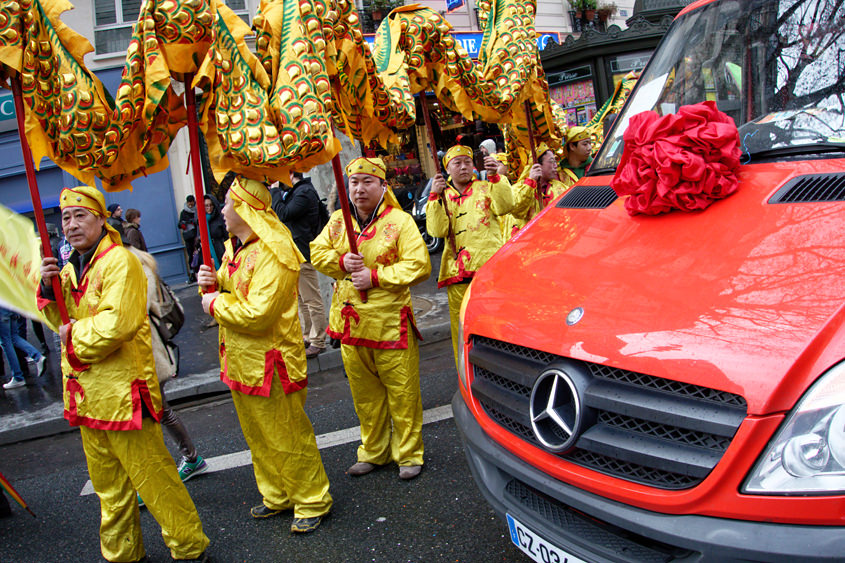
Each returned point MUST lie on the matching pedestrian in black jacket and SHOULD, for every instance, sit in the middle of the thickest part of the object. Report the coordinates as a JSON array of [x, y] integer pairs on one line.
[[216, 228], [188, 225], [298, 207]]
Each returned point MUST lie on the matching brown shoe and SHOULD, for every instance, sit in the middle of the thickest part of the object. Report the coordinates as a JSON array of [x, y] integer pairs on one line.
[[312, 351], [360, 468]]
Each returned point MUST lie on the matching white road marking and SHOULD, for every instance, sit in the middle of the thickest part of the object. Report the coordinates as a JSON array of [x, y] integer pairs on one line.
[[328, 440]]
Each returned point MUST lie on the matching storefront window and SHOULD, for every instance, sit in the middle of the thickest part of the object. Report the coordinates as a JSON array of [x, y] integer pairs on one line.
[[573, 89]]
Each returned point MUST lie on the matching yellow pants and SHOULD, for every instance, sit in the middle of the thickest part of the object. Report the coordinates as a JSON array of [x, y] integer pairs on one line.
[[456, 294], [122, 462], [385, 387], [285, 459]]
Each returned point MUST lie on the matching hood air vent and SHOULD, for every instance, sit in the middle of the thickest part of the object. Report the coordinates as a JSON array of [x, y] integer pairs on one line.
[[812, 188], [588, 197]]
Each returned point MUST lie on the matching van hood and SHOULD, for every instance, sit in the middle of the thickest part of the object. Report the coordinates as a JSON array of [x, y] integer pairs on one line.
[[745, 297]]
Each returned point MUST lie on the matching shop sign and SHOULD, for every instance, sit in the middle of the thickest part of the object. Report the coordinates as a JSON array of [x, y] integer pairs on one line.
[[453, 4], [627, 63], [7, 112], [471, 40], [571, 75]]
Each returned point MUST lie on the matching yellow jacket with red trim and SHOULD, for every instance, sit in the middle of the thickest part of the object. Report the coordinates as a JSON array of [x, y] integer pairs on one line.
[[107, 367], [259, 335], [468, 223], [529, 200], [395, 252]]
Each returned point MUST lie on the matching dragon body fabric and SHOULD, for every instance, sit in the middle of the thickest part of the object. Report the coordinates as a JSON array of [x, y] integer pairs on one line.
[[275, 110]]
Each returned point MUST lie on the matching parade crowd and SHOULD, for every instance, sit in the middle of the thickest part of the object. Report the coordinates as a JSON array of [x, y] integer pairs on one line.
[[262, 290]]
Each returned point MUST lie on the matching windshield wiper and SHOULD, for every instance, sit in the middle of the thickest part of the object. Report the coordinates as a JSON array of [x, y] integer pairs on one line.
[[793, 150]]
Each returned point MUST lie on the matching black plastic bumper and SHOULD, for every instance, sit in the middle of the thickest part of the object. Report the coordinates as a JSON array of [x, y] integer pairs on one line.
[[597, 529]]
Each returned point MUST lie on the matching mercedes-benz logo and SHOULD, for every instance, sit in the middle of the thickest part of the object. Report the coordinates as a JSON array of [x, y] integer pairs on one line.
[[574, 316], [555, 410]]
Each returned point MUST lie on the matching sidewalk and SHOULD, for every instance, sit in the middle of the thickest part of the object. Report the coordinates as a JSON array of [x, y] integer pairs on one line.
[[36, 411]]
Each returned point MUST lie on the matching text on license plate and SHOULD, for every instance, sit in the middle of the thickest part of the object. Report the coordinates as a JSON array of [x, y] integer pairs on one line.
[[536, 547]]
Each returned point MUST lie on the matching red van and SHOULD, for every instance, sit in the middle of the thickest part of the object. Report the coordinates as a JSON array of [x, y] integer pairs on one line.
[[672, 387]]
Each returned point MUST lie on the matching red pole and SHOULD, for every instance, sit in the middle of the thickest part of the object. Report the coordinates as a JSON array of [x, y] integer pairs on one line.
[[347, 213], [199, 192], [529, 118], [35, 195]]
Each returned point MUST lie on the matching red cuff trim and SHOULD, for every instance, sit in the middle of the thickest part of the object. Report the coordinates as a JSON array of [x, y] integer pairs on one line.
[[456, 279], [494, 178], [374, 278], [530, 182], [342, 269], [433, 196], [211, 307], [41, 301], [74, 362]]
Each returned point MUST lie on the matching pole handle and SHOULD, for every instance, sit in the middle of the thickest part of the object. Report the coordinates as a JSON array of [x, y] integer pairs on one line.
[[347, 213]]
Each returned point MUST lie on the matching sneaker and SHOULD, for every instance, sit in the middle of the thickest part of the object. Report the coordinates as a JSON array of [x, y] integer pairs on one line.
[[361, 468], [409, 471], [261, 511], [39, 365], [188, 469], [14, 383], [305, 525]]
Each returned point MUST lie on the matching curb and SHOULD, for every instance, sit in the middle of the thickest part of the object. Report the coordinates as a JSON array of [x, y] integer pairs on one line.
[[50, 421]]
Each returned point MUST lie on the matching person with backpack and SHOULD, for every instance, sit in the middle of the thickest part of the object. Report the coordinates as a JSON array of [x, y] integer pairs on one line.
[[304, 214], [166, 318]]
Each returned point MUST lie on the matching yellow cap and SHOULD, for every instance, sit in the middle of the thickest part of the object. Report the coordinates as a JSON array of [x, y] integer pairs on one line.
[[575, 134], [91, 199], [83, 196], [252, 202], [252, 192], [456, 151], [363, 165]]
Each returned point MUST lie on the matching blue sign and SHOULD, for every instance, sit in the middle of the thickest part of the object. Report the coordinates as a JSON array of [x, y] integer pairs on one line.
[[453, 4], [7, 106], [7, 112], [471, 40]]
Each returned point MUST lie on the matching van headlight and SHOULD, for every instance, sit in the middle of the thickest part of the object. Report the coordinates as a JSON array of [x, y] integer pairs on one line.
[[462, 370], [807, 455]]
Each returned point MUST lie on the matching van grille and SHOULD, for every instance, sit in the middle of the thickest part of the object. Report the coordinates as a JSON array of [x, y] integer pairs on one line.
[[619, 544], [645, 429], [812, 188], [588, 197]]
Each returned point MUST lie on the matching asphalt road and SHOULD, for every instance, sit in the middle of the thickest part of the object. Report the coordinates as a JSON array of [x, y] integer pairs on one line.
[[440, 516]]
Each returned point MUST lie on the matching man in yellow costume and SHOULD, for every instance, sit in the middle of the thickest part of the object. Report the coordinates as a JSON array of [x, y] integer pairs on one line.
[[541, 186], [110, 386], [578, 151], [378, 335], [261, 355], [466, 212]]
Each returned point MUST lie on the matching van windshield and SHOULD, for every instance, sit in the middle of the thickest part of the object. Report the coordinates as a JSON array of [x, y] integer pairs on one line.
[[776, 67]]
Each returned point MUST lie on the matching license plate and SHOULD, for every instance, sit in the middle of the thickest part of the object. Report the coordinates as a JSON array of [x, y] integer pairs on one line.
[[536, 547]]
